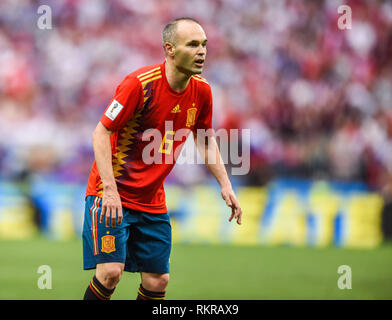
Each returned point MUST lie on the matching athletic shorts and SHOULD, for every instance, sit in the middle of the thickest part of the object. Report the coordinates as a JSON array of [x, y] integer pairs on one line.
[[142, 242]]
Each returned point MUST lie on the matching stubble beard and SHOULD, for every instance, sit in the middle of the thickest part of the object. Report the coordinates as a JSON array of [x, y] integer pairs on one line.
[[189, 71]]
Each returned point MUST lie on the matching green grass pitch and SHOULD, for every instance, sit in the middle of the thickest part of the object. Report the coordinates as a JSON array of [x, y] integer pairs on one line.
[[206, 272]]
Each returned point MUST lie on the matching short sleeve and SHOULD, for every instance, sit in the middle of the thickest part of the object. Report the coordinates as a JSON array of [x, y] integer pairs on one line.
[[204, 120], [127, 99]]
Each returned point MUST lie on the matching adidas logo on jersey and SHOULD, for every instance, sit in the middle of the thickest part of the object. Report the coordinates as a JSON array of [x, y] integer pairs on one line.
[[176, 109]]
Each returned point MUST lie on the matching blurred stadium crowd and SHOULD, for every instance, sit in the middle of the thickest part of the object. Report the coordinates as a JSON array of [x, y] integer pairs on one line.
[[318, 100]]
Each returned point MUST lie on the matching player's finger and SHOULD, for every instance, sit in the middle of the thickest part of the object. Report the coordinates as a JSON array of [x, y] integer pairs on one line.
[[239, 216], [232, 214], [237, 209], [114, 217], [107, 217], [103, 211], [120, 216], [228, 201], [234, 201]]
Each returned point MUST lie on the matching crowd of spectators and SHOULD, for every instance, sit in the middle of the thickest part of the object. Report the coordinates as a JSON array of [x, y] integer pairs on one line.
[[317, 99]]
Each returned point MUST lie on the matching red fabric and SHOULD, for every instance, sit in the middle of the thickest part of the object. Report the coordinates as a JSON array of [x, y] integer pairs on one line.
[[148, 102]]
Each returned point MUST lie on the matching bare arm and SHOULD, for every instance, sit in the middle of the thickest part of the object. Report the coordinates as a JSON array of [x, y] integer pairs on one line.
[[213, 160], [111, 202]]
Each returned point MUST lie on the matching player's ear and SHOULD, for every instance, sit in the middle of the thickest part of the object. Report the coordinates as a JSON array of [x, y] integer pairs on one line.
[[169, 49]]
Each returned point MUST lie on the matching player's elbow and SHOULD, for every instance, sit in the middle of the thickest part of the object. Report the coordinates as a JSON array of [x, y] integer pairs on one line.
[[100, 132]]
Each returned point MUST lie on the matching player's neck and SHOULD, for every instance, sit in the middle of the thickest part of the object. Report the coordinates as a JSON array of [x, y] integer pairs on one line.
[[177, 80]]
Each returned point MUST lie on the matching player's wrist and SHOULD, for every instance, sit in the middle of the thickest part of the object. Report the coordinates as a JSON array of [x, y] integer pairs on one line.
[[109, 186], [226, 185]]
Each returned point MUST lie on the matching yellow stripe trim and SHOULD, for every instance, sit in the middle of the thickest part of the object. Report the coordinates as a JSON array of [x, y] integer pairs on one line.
[[148, 297], [149, 80], [100, 293], [152, 70], [149, 75], [200, 79], [95, 244]]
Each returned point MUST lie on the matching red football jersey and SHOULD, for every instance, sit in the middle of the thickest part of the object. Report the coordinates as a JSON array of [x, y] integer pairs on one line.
[[144, 100]]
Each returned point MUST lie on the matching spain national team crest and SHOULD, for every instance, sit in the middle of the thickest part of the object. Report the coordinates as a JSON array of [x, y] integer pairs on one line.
[[191, 117], [108, 244]]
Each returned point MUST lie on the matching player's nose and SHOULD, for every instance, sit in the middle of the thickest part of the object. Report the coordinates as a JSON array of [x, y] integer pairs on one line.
[[201, 50]]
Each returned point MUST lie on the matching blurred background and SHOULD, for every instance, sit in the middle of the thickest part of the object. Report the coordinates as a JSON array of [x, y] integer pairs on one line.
[[317, 101]]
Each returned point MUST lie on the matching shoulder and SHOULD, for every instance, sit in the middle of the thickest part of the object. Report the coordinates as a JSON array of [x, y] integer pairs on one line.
[[140, 77], [148, 74], [202, 84], [203, 87], [200, 79], [144, 71]]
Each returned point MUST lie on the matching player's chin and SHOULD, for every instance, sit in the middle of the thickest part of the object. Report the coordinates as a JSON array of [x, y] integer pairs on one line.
[[197, 70]]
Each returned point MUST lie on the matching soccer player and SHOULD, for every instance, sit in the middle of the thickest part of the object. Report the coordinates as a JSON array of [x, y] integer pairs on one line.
[[126, 225]]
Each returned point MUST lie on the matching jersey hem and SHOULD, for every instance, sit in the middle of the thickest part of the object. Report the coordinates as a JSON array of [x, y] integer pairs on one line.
[[159, 209]]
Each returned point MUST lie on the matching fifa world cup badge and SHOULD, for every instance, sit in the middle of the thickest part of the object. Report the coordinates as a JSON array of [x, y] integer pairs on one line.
[[108, 244]]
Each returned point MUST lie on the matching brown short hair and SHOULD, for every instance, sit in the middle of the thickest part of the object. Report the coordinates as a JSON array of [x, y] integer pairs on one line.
[[169, 31]]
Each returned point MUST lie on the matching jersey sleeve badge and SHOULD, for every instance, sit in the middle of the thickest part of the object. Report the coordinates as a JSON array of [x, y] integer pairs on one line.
[[113, 110]]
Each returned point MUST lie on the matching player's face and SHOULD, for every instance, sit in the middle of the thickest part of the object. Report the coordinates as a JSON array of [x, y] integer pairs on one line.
[[190, 48]]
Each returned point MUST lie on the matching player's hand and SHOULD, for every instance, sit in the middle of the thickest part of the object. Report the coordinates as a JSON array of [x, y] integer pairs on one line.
[[231, 200], [111, 207]]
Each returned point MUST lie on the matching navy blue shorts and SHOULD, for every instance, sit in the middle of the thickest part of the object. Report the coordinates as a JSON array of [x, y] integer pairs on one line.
[[142, 242]]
